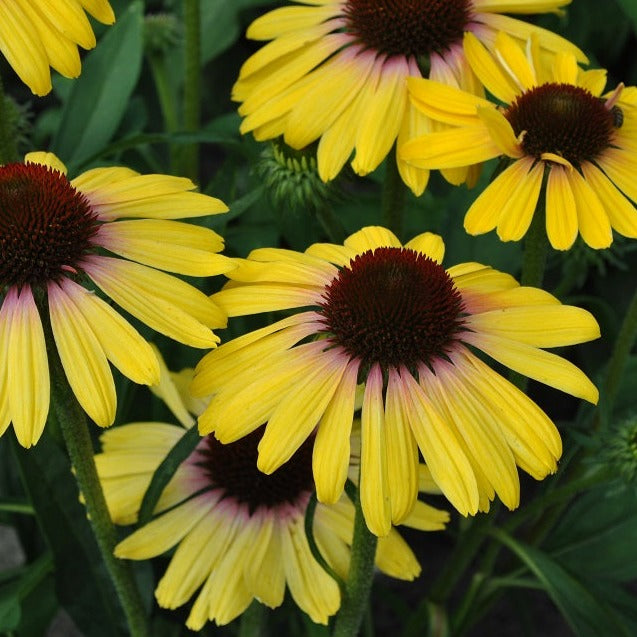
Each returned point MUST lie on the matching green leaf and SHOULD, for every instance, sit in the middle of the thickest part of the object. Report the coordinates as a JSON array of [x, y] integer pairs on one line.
[[596, 536], [82, 584], [220, 25], [100, 96], [165, 471], [10, 611], [630, 9], [586, 615]]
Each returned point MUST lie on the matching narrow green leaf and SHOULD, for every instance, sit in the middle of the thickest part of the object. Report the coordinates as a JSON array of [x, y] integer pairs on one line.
[[602, 544], [100, 96], [82, 584], [586, 615], [630, 9], [165, 471]]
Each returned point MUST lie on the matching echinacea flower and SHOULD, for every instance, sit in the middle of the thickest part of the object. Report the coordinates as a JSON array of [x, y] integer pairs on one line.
[[239, 534], [337, 69], [56, 236], [390, 316], [556, 126], [37, 35]]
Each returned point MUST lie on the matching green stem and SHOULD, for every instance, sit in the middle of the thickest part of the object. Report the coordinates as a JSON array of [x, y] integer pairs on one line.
[[623, 345], [8, 149], [157, 63], [359, 579], [253, 621], [393, 196], [80, 448], [535, 249], [192, 85]]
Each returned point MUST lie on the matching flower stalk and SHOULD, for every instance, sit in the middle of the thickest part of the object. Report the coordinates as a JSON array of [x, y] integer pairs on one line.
[[80, 448], [393, 196], [359, 580], [192, 86]]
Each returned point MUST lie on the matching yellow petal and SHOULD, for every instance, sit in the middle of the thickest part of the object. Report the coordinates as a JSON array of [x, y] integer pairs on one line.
[[402, 454], [331, 455], [429, 244], [372, 237], [387, 105], [442, 452], [592, 220], [535, 363], [122, 344], [296, 416], [518, 211], [483, 64], [621, 213], [46, 159], [538, 325], [27, 366], [85, 363], [374, 484], [561, 211], [451, 148]]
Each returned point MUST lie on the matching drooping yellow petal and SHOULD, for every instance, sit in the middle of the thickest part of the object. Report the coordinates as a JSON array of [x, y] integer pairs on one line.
[[535, 363], [317, 109], [168, 245], [621, 213], [314, 591], [395, 558], [283, 20], [533, 438], [444, 103], [521, 205], [592, 220], [298, 413], [387, 105], [265, 575], [165, 531], [23, 49], [374, 484], [442, 452], [27, 366], [265, 297], [401, 452], [486, 212], [538, 325], [193, 560], [331, 454], [163, 302], [122, 344], [513, 59], [561, 211], [246, 404], [451, 148], [83, 358], [483, 64], [501, 131]]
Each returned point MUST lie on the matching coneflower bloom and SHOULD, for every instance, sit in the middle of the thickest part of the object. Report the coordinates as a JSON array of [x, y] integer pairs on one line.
[[37, 35], [555, 124], [60, 241], [337, 70], [239, 534], [391, 317]]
